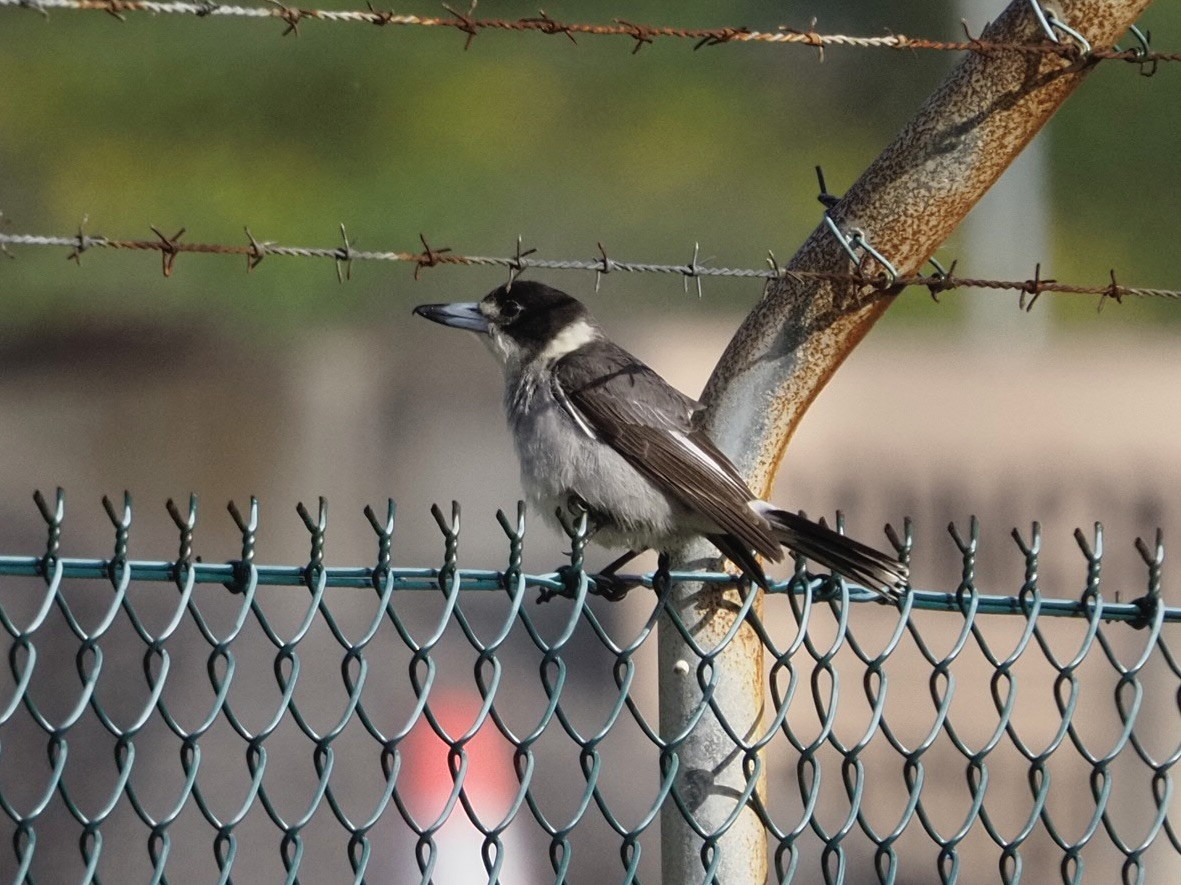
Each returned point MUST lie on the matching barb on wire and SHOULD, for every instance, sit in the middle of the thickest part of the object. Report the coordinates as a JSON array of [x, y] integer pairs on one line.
[[640, 34], [343, 256]]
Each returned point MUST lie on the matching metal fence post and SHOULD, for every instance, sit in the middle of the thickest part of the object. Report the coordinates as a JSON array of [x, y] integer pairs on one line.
[[905, 204]]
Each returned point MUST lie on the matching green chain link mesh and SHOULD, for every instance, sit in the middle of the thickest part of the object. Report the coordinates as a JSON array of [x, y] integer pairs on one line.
[[192, 721]]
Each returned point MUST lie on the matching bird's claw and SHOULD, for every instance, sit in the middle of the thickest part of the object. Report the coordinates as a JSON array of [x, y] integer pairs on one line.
[[571, 579], [613, 588]]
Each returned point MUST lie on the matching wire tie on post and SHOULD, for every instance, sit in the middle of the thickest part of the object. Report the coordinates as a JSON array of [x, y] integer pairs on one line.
[[385, 536], [122, 524], [317, 528], [1040, 15], [184, 556], [940, 272], [856, 240], [825, 199], [1148, 65], [940, 280], [206, 7], [1051, 26], [248, 528]]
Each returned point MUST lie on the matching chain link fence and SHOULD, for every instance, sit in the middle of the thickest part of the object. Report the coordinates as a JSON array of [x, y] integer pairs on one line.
[[197, 721]]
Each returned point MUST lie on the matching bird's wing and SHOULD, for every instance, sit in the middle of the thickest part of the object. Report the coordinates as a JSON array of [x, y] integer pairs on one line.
[[626, 405]]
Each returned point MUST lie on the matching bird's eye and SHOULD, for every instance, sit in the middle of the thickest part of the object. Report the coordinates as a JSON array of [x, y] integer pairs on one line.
[[509, 311]]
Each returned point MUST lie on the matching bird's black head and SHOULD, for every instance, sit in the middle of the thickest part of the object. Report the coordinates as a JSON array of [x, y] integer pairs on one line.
[[524, 321]]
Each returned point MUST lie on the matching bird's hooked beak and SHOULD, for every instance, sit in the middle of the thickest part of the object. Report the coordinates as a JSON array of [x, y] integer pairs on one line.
[[461, 315]]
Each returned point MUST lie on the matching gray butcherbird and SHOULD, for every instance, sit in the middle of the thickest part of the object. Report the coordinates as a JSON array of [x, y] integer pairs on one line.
[[596, 429]]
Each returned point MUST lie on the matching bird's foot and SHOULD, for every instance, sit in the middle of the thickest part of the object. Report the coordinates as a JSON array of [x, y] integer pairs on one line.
[[613, 588], [571, 580]]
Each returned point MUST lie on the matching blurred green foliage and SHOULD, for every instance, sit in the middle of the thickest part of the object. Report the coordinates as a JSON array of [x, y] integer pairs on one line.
[[215, 124]]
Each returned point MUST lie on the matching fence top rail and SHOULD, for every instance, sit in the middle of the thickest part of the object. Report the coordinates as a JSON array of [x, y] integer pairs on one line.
[[411, 578]]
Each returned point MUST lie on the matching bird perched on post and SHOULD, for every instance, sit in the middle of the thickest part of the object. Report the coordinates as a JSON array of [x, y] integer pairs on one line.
[[597, 431]]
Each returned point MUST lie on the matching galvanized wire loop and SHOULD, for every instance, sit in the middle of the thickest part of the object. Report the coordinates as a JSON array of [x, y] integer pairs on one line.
[[122, 524], [385, 541], [53, 517], [185, 525], [516, 538], [1051, 26], [248, 526], [317, 528], [450, 531], [1142, 54], [854, 240]]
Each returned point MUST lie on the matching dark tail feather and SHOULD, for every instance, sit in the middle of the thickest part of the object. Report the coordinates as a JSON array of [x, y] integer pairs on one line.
[[742, 556], [878, 571]]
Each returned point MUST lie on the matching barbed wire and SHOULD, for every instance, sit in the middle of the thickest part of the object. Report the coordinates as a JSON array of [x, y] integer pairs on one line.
[[640, 34], [254, 251]]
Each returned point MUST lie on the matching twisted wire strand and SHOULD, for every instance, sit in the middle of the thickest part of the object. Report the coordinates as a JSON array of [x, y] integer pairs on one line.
[[255, 251], [641, 34]]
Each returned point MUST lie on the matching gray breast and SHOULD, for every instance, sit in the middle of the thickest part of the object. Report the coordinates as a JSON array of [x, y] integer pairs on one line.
[[560, 458]]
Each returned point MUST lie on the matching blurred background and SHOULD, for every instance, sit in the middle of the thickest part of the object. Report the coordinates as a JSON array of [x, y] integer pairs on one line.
[[285, 384]]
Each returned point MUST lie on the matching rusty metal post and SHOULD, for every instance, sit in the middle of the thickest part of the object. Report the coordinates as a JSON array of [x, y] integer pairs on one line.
[[906, 203]]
